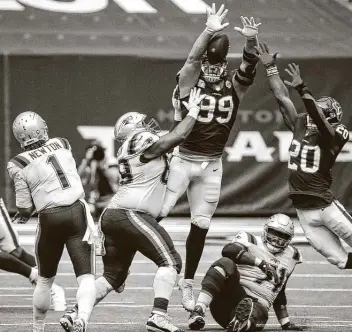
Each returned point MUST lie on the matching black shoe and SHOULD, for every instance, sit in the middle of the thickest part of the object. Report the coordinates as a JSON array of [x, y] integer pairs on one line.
[[240, 322], [196, 319]]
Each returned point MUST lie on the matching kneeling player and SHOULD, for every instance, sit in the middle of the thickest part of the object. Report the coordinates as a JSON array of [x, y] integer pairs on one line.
[[252, 274]]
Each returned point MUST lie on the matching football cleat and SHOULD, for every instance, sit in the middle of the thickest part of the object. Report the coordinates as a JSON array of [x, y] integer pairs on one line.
[[196, 319], [186, 286], [58, 301], [241, 321], [79, 325], [66, 321], [160, 322]]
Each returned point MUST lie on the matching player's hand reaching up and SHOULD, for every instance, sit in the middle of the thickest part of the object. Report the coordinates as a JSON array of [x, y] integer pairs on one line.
[[250, 28], [270, 271], [294, 72], [194, 99], [264, 55], [215, 18]]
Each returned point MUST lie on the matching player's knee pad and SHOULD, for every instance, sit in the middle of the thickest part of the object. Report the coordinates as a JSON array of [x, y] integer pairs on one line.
[[166, 274], [213, 280], [201, 221], [212, 191], [227, 265], [41, 295]]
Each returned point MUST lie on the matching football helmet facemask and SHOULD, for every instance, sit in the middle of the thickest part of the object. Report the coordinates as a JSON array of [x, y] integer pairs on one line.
[[29, 128], [132, 123], [213, 73], [278, 233], [331, 109]]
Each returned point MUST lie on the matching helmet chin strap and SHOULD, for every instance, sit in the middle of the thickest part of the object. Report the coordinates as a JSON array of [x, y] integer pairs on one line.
[[273, 249]]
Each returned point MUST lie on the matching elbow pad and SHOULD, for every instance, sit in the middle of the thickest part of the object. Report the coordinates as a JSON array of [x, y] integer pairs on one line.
[[233, 251]]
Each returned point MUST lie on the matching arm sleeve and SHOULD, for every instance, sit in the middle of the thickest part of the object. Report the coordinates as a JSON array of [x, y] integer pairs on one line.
[[23, 193]]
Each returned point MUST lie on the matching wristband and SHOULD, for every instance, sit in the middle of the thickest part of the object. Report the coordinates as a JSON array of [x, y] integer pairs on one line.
[[210, 31], [193, 112], [302, 89], [257, 261], [249, 57], [272, 70]]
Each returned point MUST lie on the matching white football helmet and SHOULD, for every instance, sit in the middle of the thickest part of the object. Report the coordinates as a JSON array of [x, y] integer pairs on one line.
[[278, 232], [29, 128], [132, 123]]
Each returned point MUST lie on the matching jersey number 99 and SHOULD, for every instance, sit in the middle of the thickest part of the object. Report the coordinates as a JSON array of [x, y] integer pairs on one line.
[[308, 157], [210, 104]]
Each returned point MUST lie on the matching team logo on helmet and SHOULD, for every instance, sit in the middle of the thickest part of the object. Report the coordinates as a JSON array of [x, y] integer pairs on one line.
[[278, 232], [331, 109]]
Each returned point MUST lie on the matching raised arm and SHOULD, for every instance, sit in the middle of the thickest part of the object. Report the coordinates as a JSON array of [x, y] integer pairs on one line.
[[314, 111], [244, 75], [180, 132], [191, 69], [277, 86]]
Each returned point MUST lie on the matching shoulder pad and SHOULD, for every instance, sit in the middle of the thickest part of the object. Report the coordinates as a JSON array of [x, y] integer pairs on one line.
[[141, 142], [244, 237], [64, 142], [20, 161]]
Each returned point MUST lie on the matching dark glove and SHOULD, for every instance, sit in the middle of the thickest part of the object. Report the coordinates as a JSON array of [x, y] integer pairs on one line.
[[292, 327], [270, 271]]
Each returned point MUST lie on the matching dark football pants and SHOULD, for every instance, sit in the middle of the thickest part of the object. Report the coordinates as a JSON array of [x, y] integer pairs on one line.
[[127, 232], [58, 227], [223, 306]]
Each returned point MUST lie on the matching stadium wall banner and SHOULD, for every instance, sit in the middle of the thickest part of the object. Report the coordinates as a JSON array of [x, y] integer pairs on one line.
[[81, 98]]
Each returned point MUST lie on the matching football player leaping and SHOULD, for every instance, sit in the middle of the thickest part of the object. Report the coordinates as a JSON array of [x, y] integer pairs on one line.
[[14, 258], [46, 179], [197, 165], [129, 223], [317, 140], [250, 277]]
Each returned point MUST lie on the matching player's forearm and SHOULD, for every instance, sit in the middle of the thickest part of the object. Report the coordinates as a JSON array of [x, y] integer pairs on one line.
[[238, 253], [175, 123], [200, 46], [282, 314], [249, 60], [314, 112]]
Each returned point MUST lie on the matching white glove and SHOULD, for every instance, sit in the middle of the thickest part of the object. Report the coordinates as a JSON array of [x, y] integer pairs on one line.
[[250, 28], [214, 19], [193, 102]]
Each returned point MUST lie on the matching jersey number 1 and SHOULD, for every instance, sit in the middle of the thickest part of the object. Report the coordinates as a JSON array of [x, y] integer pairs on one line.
[[52, 160]]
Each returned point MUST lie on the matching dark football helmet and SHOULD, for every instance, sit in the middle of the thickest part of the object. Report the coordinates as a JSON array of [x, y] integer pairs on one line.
[[214, 63], [331, 109]]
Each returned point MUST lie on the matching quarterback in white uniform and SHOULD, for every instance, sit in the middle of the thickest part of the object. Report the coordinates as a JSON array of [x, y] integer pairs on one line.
[[250, 277], [129, 222], [46, 180]]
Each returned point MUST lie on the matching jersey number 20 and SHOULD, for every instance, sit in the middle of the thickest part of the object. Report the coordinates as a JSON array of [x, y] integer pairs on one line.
[[210, 104], [307, 156]]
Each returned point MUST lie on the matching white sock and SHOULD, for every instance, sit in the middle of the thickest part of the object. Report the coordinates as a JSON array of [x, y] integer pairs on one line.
[[34, 275], [85, 296], [41, 302], [103, 288], [204, 300], [164, 282]]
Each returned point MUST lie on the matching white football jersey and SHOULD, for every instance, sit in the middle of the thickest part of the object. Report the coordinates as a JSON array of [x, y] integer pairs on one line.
[[50, 175], [142, 184], [254, 280]]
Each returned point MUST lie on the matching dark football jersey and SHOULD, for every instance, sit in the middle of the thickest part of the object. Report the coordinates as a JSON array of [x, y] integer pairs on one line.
[[217, 115], [310, 161]]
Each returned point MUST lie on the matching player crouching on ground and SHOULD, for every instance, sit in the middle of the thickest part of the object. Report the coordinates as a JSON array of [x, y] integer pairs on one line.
[[46, 180], [251, 276], [129, 223]]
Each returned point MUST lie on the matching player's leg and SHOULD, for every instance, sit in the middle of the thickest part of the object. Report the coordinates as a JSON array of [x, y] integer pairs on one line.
[[49, 248], [213, 289], [177, 183], [203, 195], [321, 238], [339, 221], [155, 243], [80, 254]]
